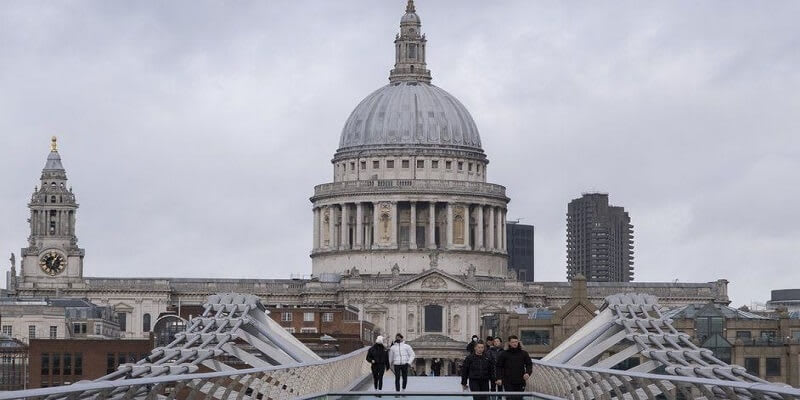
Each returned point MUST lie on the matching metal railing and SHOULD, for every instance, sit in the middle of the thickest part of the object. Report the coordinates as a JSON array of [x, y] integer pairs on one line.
[[278, 382], [575, 382]]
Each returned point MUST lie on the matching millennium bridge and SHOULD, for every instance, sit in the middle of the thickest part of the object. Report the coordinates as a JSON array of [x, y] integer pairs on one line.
[[234, 329]]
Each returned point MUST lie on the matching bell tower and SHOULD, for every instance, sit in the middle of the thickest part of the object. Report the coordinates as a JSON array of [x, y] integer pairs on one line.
[[52, 256], [410, 49]]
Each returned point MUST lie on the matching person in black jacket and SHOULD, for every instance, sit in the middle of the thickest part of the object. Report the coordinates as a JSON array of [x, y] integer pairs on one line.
[[514, 367], [471, 344], [494, 352], [378, 356], [436, 367], [478, 369]]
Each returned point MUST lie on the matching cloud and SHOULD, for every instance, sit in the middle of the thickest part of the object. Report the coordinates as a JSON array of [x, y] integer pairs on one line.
[[193, 133]]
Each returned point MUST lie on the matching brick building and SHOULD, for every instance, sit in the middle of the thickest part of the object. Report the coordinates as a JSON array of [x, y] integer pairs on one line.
[[64, 361]]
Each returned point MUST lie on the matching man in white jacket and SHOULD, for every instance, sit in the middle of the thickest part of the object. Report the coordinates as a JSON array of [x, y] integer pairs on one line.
[[401, 356]]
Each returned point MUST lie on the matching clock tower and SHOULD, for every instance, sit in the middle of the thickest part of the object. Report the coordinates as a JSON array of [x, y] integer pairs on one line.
[[52, 257]]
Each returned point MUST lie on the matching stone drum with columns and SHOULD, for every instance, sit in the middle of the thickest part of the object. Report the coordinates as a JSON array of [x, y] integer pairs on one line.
[[409, 181]]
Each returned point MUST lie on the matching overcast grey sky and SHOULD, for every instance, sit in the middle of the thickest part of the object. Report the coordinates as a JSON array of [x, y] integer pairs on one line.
[[193, 132]]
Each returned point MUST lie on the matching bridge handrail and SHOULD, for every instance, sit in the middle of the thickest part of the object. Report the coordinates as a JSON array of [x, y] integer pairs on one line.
[[78, 387], [539, 382]]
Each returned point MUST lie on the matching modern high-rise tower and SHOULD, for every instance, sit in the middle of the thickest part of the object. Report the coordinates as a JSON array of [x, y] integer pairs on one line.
[[599, 240]]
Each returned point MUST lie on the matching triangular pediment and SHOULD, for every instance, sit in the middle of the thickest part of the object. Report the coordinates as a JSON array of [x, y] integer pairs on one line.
[[433, 280]]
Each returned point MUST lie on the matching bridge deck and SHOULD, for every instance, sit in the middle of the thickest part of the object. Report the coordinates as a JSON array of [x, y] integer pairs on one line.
[[418, 384]]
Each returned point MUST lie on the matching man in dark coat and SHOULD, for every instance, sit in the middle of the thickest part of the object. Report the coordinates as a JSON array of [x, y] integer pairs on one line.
[[478, 369], [436, 367], [514, 367], [471, 344], [494, 353], [378, 357]]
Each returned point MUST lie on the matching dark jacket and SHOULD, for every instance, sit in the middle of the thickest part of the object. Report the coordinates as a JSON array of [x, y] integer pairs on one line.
[[471, 346], [436, 366], [512, 364], [477, 368], [377, 355], [494, 353]]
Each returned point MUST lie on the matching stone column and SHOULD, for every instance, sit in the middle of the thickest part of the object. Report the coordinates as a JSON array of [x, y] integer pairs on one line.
[[449, 225], [479, 245], [332, 227], [490, 239], [359, 244], [395, 225], [498, 242], [431, 239], [412, 227], [503, 231], [316, 229], [344, 238], [375, 221], [466, 226]]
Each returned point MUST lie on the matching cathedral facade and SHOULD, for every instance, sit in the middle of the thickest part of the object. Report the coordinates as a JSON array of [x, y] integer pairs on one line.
[[410, 231]]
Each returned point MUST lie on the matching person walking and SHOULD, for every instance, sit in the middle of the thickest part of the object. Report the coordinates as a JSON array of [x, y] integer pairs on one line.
[[514, 367], [471, 344], [494, 353], [478, 370], [378, 357], [436, 367], [401, 356]]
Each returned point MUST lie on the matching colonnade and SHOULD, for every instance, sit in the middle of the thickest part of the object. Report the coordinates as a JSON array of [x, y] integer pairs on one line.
[[376, 226], [64, 222]]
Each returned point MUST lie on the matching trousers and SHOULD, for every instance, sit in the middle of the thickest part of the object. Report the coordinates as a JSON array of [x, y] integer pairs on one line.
[[377, 376], [398, 371]]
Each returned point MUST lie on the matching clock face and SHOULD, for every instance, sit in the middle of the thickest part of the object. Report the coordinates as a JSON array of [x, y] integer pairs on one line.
[[52, 263]]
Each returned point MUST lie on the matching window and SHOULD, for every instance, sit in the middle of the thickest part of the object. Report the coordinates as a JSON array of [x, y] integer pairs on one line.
[[743, 336], [389, 163], [460, 165], [7, 330], [404, 163], [110, 366], [751, 364], [67, 364], [420, 163], [308, 330], [478, 168], [433, 318], [535, 337], [53, 332], [31, 331], [146, 323], [363, 165], [286, 316], [708, 326], [289, 329], [45, 364], [79, 328], [121, 357], [412, 50], [435, 164], [308, 316], [376, 164], [448, 165], [768, 335], [56, 364], [78, 363], [327, 317], [773, 366], [122, 319], [98, 328], [469, 167], [352, 165]]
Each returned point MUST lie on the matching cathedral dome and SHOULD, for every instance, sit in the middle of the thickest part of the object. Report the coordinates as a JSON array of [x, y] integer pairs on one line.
[[412, 113]]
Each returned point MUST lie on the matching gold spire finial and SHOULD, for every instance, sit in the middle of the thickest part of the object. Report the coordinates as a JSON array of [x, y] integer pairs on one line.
[[53, 144], [410, 7]]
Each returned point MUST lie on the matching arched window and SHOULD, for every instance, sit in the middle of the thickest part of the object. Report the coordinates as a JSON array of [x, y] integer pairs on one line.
[[146, 323], [433, 318], [52, 199]]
